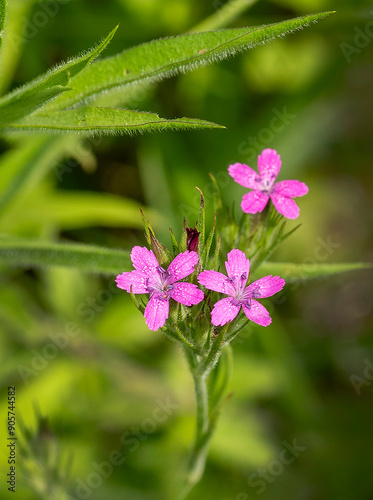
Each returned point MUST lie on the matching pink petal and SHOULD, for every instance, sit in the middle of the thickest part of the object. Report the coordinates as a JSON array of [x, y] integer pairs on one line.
[[254, 202], [286, 206], [136, 279], [144, 260], [237, 264], [265, 287], [214, 281], [290, 188], [244, 175], [269, 164], [257, 313], [182, 265], [156, 313], [224, 310], [187, 294]]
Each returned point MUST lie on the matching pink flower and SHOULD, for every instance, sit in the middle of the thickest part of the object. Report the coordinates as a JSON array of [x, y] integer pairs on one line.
[[264, 186], [161, 285], [240, 295]]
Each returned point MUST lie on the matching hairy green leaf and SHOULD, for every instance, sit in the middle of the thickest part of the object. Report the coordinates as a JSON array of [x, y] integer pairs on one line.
[[163, 58], [35, 94], [93, 120], [299, 272], [87, 258]]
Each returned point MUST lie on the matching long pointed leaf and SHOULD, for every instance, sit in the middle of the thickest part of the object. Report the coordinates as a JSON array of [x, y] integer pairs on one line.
[[299, 272], [35, 253], [91, 119], [163, 58], [35, 94]]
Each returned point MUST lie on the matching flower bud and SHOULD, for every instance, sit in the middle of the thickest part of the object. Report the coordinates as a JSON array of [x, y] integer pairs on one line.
[[192, 239]]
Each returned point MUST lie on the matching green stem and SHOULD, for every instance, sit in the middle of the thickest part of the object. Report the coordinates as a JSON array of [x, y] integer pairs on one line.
[[202, 402], [208, 364], [197, 461], [204, 425]]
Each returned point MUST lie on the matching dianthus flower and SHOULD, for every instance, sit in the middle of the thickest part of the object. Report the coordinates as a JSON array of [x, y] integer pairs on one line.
[[240, 295], [161, 284], [265, 188]]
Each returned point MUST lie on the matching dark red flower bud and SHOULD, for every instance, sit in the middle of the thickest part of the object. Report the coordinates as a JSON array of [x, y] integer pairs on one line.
[[192, 239]]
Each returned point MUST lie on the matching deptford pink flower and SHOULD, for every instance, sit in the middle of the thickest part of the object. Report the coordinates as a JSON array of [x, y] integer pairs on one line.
[[161, 284], [265, 188], [239, 295]]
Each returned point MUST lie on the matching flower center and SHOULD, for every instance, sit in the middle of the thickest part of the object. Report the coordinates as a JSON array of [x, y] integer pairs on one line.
[[237, 285], [159, 284], [265, 183], [239, 293]]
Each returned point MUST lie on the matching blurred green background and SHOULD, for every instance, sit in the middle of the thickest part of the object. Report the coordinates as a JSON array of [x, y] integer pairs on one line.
[[80, 353]]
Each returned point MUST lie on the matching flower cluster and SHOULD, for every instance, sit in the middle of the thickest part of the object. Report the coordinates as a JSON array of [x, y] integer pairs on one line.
[[166, 285], [163, 285]]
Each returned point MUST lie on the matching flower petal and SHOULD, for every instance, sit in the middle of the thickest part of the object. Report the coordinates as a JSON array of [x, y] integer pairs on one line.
[[265, 287], [237, 264], [254, 202], [257, 313], [187, 294], [290, 188], [136, 279], [156, 313], [224, 310], [144, 260], [215, 281], [244, 175], [286, 206], [269, 164], [182, 265]]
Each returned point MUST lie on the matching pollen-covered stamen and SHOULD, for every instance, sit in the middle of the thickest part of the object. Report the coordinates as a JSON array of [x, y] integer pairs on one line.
[[166, 293]]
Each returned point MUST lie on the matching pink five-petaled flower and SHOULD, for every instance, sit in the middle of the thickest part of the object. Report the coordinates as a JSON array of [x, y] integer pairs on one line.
[[161, 285], [234, 285], [264, 186]]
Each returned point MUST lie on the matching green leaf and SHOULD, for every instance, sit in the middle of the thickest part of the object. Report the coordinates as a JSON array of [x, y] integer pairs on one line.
[[163, 58], [87, 258], [91, 120], [66, 210], [228, 13], [299, 272], [35, 94], [22, 167]]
